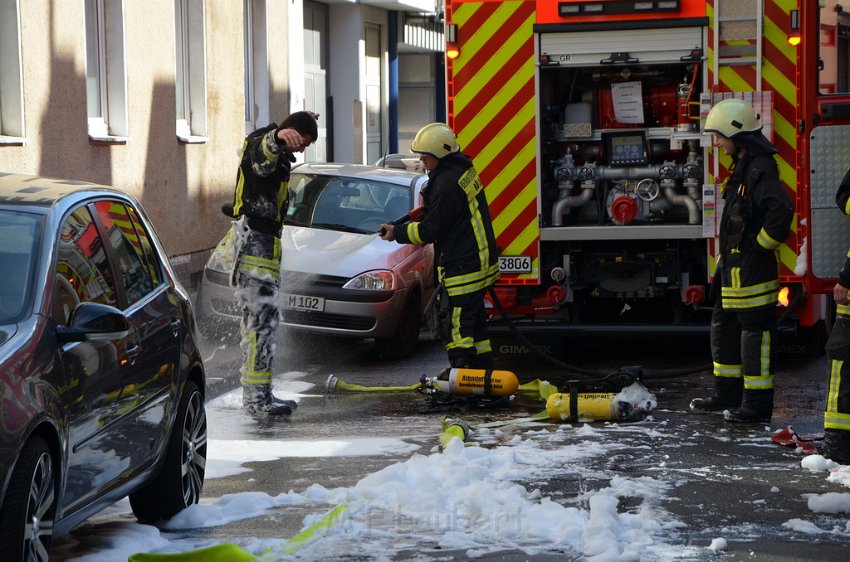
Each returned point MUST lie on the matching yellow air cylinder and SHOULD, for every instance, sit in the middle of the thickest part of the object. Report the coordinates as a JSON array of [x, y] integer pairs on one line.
[[591, 406], [479, 382]]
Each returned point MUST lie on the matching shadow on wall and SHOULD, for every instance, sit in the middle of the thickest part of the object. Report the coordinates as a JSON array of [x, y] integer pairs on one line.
[[64, 121], [175, 180]]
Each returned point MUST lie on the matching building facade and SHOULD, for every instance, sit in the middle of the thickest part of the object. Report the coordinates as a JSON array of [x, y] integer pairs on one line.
[[155, 97]]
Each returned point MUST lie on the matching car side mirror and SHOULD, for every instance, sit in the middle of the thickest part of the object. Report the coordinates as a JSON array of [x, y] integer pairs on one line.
[[94, 321]]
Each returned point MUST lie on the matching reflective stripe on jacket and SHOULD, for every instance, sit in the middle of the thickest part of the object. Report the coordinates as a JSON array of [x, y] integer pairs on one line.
[[457, 220], [842, 199], [263, 179], [756, 220]]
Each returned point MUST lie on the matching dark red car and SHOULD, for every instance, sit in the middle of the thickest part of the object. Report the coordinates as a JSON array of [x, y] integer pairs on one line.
[[101, 382]]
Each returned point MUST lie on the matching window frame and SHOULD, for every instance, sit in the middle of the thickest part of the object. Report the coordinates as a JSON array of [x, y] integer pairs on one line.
[[110, 279], [190, 83], [256, 53], [117, 249], [106, 45], [12, 130]]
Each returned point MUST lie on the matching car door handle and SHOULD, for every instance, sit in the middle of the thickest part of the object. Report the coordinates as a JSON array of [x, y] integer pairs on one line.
[[132, 351], [175, 326]]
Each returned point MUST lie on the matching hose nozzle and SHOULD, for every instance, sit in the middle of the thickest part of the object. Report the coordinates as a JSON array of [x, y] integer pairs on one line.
[[330, 384]]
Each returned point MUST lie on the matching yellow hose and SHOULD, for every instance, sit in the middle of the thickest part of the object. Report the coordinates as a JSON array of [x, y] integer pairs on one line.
[[335, 384]]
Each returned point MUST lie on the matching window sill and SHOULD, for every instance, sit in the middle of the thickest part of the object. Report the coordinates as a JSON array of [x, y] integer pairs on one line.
[[97, 140], [192, 139], [12, 141]]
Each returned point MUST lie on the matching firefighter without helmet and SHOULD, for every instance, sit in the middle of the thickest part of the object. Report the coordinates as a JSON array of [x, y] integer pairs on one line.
[[436, 139], [730, 117]]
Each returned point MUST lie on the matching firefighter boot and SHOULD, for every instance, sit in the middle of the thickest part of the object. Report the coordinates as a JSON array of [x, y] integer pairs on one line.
[[836, 445], [483, 361], [461, 357], [259, 402], [757, 407], [726, 394]]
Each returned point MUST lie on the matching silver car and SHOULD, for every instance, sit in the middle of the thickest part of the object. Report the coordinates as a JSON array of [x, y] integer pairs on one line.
[[338, 277]]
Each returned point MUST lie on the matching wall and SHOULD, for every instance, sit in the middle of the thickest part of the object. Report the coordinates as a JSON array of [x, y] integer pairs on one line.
[[347, 67], [182, 186]]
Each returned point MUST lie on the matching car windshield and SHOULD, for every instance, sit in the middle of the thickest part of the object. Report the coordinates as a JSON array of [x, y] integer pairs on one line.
[[19, 234], [346, 204]]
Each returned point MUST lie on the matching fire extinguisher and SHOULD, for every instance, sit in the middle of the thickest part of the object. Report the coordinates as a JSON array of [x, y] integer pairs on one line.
[[684, 91], [563, 406], [684, 96], [479, 382]]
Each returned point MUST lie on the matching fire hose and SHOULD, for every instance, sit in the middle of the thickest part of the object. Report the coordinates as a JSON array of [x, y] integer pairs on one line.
[[606, 399]]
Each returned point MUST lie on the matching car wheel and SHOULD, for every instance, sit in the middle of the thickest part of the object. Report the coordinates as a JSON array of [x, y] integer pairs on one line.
[[26, 519], [406, 337], [181, 479]]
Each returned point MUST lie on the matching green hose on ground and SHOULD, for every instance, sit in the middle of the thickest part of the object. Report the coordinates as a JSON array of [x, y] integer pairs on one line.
[[229, 552], [459, 429], [335, 384]]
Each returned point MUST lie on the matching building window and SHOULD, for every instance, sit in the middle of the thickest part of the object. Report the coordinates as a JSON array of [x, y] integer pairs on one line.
[[191, 81], [11, 90], [256, 65], [106, 78]]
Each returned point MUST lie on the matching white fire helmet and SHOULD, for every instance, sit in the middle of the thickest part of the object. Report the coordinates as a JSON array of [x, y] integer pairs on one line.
[[436, 139], [732, 116]]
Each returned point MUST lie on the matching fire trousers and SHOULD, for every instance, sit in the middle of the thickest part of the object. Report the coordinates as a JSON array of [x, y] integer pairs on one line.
[[257, 288], [837, 415], [743, 344], [469, 345]]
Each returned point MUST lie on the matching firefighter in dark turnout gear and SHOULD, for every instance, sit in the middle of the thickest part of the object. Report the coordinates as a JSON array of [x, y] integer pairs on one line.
[[836, 419], [457, 220], [259, 205], [757, 215]]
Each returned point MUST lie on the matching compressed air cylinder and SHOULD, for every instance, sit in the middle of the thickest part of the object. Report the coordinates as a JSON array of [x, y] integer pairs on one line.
[[480, 382], [591, 406]]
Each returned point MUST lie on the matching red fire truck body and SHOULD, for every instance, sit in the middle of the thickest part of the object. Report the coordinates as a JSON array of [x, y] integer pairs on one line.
[[584, 121]]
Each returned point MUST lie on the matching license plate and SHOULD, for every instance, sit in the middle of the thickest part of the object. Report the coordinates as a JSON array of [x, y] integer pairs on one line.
[[301, 302], [515, 264]]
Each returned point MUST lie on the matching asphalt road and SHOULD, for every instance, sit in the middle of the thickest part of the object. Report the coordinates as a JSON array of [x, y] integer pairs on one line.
[[727, 481]]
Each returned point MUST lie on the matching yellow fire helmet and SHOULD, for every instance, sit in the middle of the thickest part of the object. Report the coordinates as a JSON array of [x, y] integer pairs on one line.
[[436, 139], [732, 116]]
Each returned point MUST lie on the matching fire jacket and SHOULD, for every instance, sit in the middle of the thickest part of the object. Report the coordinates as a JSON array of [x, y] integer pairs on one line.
[[842, 199], [457, 221], [756, 220], [262, 181], [262, 190]]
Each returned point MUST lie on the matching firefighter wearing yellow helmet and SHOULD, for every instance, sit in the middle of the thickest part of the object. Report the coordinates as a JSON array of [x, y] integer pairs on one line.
[[756, 220], [457, 221], [836, 417]]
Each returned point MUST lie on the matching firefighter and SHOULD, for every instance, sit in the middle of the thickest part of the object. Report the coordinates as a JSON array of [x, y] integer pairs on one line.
[[756, 219], [457, 220], [259, 205], [836, 419]]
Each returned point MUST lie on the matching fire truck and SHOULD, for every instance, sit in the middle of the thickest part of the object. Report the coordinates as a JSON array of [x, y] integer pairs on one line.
[[584, 121]]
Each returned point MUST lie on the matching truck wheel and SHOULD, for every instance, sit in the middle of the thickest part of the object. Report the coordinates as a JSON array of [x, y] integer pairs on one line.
[[26, 517], [406, 337], [181, 478]]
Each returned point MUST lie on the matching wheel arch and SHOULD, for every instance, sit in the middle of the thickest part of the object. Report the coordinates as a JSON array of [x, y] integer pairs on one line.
[[46, 429]]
